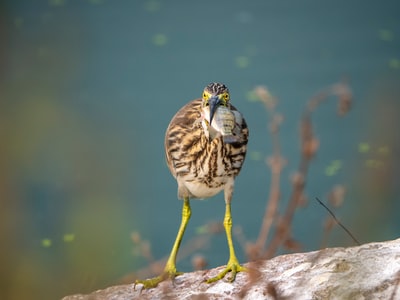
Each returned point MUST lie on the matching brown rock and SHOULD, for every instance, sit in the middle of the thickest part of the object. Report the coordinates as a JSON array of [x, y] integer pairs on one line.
[[370, 271]]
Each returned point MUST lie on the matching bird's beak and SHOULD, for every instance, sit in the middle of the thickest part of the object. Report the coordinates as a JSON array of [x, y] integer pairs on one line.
[[214, 102]]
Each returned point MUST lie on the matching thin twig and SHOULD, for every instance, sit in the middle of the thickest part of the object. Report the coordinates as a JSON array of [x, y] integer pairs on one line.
[[338, 222]]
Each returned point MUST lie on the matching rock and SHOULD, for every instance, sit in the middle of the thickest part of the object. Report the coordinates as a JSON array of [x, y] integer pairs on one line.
[[370, 271]]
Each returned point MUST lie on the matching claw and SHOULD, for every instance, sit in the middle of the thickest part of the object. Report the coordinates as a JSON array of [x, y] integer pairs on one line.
[[234, 267], [153, 282], [148, 283]]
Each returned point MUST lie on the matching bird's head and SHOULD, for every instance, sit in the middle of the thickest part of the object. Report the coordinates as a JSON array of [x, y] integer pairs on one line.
[[215, 94]]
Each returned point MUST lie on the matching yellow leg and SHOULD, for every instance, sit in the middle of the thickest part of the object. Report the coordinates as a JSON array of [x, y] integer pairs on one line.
[[233, 263], [170, 267]]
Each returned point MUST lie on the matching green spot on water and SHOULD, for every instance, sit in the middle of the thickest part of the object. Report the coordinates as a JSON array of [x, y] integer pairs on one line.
[[386, 35], [68, 237], [363, 147], [374, 163], [242, 62], [394, 63], [152, 5], [333, 167], [57, 2], [160, 39], [255, 155], [46, 243], [384, 150], [202, 229], [252, 96]]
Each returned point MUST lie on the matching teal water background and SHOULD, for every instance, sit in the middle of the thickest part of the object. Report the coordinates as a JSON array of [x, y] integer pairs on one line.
[[88, 88]]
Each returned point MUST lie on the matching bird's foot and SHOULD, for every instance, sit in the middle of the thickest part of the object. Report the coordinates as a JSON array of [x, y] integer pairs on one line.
[[153, 282], [233, 266]]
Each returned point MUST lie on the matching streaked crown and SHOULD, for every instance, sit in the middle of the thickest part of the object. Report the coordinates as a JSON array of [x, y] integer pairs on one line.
[[216, 89]]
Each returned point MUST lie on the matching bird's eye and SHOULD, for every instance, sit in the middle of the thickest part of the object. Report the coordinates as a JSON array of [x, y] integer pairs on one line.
[[225, 96]]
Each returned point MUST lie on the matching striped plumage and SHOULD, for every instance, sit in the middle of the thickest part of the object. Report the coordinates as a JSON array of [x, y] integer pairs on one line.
[[205, 146], [202, 165]]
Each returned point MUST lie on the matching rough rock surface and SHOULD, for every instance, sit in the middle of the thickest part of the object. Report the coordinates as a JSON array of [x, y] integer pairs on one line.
[[370, 271]]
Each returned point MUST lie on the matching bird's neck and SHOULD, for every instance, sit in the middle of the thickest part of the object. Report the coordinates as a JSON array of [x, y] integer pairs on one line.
[[209, 131]]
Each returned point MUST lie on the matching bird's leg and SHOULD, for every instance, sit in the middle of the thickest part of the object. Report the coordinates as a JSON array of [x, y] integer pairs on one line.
[[233, 265], [170, 267]]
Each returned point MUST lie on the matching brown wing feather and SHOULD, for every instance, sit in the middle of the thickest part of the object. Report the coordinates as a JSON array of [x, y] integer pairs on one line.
[[186, 145]]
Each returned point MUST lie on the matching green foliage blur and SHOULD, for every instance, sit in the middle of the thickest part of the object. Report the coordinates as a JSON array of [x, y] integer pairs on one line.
[[61, 175]]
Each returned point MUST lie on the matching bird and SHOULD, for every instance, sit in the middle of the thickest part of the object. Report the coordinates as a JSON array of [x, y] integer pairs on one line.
[[205, 148]]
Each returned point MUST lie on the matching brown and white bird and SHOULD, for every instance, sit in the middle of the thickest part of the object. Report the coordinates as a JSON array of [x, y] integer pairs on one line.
[[205, 147]]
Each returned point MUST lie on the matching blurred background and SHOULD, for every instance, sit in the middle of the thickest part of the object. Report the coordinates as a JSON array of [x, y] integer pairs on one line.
[[87, 89]]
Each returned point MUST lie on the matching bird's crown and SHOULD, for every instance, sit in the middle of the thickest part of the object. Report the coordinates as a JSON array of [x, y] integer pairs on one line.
[[216, 89]]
